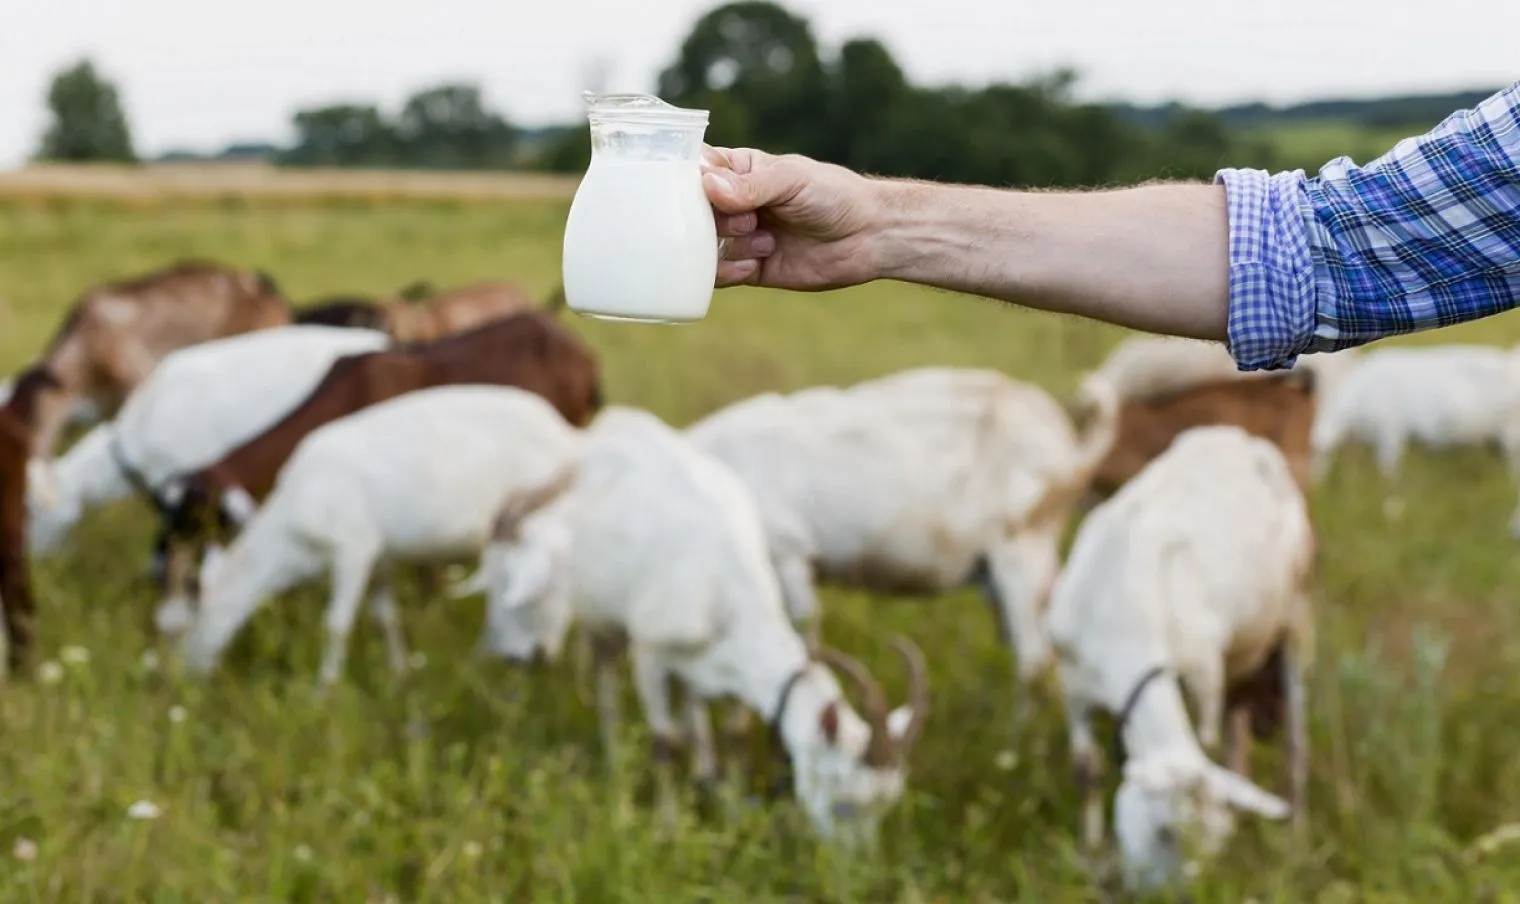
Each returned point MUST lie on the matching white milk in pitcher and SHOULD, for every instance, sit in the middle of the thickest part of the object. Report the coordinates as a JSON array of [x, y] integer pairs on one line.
[[640, 243]]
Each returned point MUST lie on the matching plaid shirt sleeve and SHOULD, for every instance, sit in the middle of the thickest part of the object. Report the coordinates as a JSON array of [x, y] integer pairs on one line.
[[1425, 236]]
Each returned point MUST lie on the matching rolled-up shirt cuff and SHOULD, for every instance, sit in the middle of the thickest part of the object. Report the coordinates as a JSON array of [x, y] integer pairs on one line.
[[1272, 295]]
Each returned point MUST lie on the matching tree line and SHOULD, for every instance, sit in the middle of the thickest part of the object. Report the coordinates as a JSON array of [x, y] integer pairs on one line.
[[759, 69]]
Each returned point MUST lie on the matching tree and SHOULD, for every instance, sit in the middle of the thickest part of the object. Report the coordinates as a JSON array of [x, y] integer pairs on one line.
[[342, 135], [449, 127], [763, 63], [88, 123]]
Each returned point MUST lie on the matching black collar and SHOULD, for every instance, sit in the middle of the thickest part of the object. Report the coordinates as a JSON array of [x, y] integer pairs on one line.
[[782, 781], [129, 471], [1128, 709]]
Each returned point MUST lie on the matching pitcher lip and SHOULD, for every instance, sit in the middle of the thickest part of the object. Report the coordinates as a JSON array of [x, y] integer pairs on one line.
[[640, 108]]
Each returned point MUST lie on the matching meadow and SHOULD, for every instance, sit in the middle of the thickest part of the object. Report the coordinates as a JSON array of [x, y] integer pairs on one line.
[[477, 782]]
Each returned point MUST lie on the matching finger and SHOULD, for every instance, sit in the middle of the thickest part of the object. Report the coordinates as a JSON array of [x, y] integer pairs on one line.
[[733, 273], [754, 245], [717, 157], [737, 224]]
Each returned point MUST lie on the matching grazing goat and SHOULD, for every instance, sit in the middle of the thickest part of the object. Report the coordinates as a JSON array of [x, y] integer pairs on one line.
[[116, 334], [419, 318], [918, 482], [530, 350], [1439, 396], [16, 601], [659, 549], [198, 403], [1279, 408], [421, 478], [1192, 574], [1145, 366]]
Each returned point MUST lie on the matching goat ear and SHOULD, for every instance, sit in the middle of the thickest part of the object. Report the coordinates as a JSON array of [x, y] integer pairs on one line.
[[1244, 795], [828, 723], [898, 721]]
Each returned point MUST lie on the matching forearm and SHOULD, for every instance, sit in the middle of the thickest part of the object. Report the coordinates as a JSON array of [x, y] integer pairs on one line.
[[1153, 257]]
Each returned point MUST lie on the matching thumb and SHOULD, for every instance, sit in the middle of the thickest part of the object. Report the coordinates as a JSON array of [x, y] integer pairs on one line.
[[732, 192]]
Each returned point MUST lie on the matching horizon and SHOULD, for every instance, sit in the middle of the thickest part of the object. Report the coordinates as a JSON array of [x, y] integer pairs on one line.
[[198, 80]]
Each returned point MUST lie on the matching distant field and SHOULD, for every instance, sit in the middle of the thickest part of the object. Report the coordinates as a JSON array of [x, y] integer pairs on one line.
[[1311, 144], [480, 783], [174, 181]]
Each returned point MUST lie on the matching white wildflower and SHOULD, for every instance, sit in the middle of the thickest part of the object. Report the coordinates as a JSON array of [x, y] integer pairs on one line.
[[25, 850], [149, 661], [417, 661], [471, 849], [1005, 760], [177, 714], [144, 809], [50, 672], [302, 853]]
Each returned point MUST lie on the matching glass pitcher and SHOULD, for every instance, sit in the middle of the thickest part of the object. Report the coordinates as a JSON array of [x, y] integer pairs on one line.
[[640, 240]]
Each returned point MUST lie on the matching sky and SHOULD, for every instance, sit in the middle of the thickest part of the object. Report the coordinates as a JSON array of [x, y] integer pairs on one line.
[[197, 75]]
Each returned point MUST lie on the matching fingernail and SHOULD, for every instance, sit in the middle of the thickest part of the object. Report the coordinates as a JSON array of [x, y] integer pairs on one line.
[[762, 243]]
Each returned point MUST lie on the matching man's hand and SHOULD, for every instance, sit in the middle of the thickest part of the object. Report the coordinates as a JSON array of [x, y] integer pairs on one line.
[[795, 223]]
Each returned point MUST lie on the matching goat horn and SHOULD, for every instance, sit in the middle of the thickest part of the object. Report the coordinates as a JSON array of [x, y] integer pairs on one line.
[[879, 750], [918, 691]]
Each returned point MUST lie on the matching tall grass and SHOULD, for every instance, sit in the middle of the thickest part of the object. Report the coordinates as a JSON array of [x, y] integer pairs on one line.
[[475, 782]]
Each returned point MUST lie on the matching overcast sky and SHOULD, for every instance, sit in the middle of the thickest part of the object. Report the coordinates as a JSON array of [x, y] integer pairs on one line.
[[201, 73]]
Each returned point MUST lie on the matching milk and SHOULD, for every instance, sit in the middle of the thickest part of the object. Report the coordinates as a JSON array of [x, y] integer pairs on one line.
[[640, 243]]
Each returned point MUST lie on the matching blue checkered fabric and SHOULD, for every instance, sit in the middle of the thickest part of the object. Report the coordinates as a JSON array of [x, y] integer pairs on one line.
[[1425, 236]]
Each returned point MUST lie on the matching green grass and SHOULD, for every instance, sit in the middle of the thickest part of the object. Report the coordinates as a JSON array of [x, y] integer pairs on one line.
[[1312, 143], [477, 782]]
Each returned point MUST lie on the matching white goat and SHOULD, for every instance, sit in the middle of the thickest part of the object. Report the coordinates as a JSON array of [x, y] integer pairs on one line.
[[659, 548], [1192, 574], [420, 478], [1438, 396], [918, 482], [1144, 366], [198, 403]]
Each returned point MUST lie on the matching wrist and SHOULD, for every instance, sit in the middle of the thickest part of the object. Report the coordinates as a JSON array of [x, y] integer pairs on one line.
[[915, 230]]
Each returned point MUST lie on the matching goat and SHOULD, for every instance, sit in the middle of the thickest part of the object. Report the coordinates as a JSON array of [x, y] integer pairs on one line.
[[1145, 366], [16, 603], [1192, 574], [659, 549], [420, 477], [198, 403], [530, 350], [1440, 396], [1279, 408], [418, 316], [918, 482], [116, 334]]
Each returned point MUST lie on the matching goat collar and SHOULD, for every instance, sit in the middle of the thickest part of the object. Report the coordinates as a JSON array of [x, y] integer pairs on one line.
[[786, 695], [779, 786], [1128, 709], [130, 471]]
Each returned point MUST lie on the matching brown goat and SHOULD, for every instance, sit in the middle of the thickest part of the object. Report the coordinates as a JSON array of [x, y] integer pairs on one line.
[[417, 314], [116, 333], [530, 350], [1278, 408], [15, 582]]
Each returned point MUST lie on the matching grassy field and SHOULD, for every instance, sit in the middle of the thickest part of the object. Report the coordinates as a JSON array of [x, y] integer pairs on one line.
[[480, 783], [1312, 143]]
